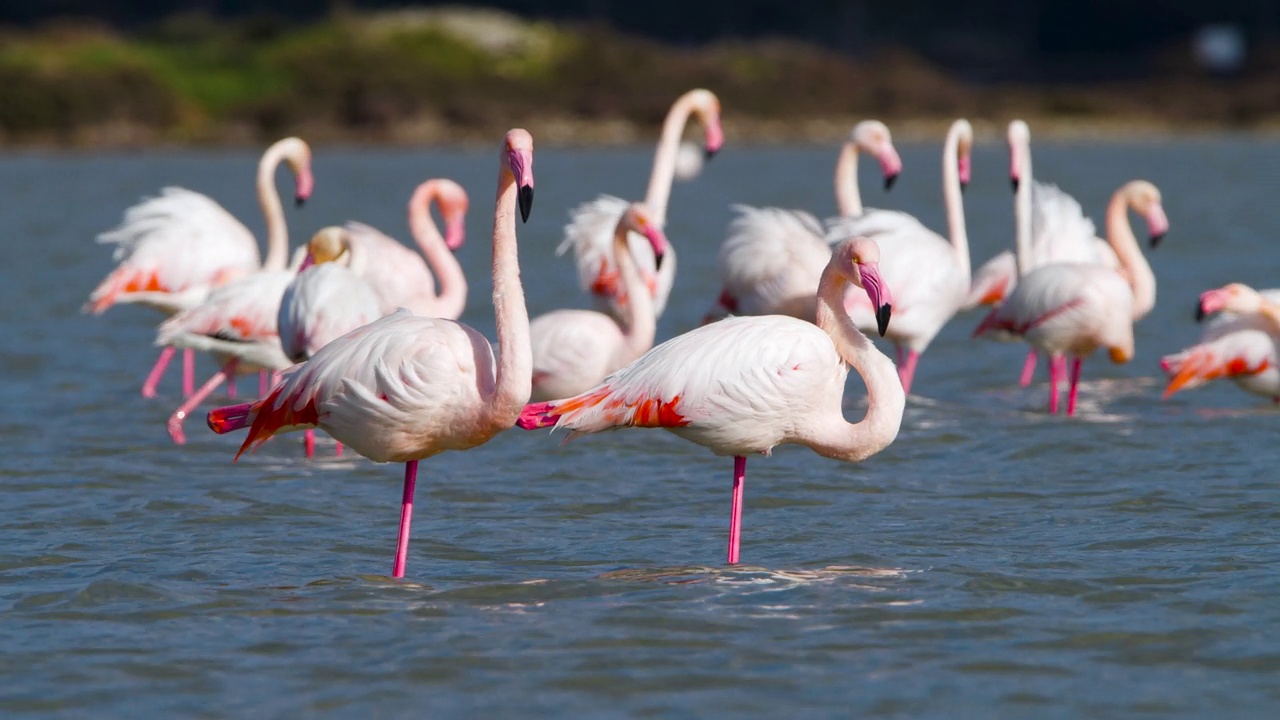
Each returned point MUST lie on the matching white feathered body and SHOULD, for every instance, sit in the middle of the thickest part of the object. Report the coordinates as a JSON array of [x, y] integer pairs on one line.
[[589, 235], [237, 320], [322, 303]]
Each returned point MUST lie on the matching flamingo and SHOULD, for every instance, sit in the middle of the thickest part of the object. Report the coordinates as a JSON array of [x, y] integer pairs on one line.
[[929, 274], [1074, 308], [172, 250], [573, 350], [403, 278], [771, 258], [590, 230], [323, 302], [747, 384], [404, 388], [1239, 344]]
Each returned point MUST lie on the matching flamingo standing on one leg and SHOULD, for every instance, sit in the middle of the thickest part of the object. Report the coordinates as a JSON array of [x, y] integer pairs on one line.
[[405, 388], [403, 278], [771, 258], [1075, 308], [747, 384], [325, 301], [1240, 344], [929, 274], [173, 249], [590, 230], [573, 350]]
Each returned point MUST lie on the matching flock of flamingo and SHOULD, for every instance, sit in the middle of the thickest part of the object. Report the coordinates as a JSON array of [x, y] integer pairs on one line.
[[352, 336]]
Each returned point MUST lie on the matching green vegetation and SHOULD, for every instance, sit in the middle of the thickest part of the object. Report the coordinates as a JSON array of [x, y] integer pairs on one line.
[[444, 75]]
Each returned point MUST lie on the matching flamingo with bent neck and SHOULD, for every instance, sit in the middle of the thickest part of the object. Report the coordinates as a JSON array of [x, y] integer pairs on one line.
[[573, 350], [172, 250], [771, 258], [1074, 308], [589, 233], [405, 388], [403, 278], [929, 274], [745, 385], [1239, 343]]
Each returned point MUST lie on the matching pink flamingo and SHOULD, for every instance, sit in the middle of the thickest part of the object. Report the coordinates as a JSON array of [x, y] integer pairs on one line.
[[1073, 309], [1239, 344], [573, 350], [172, 250], [771, 258], [404, 387], [929, 274], [590, 230], [747, 384], [323, 302], [403, 278]]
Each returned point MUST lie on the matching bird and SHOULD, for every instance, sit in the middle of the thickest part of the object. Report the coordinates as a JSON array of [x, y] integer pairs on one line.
[[1074, 308], [589, 233], [404, 279], [928, 273], [324, 301], [173, 249], [746, 384], [573, 350], [405, 387], [1238, 343], [771, 258]]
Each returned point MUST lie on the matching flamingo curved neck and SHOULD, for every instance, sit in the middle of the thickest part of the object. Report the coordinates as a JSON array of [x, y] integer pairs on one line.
[[513, 382], [272, 210], [664, 159], [1120, 236], [641, 325], [838, 438], [848, 198], [451, 299], [953, 198], [1022, 208]]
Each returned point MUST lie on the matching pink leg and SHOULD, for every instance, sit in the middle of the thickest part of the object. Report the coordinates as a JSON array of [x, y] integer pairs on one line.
[[735, 517], [337, 450], [1028, 368], [231, 386], [908, 371], [1057, 369], [1075, 382], [263, 385], [406, 516], [188, 372], [898, 358], [309, 442], [157, 372], [175, 420]]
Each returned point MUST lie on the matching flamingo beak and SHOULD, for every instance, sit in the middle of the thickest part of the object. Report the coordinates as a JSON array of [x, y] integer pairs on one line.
[[1014, 172], [1211, 301], [307, 261], [659, 242], [1157, 224], [455, 231], [306, 184], [878, 293], [891, 166], [715, 137], [521, 162], [964, 167]]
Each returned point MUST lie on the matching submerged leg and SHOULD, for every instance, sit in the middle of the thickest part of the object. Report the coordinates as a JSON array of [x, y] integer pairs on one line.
[[309, 442], [406, 516], [1057, 368], [231, 386], [337, 449], [735, 517], [188, 372], [157, 372], [1075, 382], [263, 384], [1028, 368], [191, 403], [908, 371]]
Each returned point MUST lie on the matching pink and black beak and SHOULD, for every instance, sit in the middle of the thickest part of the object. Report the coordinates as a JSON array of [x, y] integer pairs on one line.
[[715, 138], [658, 240], [878, 293], [964, 167], [307, 261], [306, 184], [891, 166], [1211, 301], [1157, 224], [455, 229], [521, 162]]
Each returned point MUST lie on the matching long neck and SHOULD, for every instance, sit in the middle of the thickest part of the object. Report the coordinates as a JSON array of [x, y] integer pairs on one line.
[[269, 200], [664, 160], [848, 199], [1022, 210], [837, 437], [1120, 235], [452, 298], [951, 196], [641, 322], [514, 381]]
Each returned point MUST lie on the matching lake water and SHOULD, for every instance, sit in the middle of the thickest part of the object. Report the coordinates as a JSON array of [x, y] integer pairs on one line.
[[993, 562]]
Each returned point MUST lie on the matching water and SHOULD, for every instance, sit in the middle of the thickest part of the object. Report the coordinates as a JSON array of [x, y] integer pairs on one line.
[[993, 562]]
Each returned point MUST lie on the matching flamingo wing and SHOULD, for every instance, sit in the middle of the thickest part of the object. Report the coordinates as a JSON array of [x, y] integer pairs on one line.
[[397, 274], [993, 282], [589, 235], [1239, 354], [573, 350], [771, 261], [1060, 231], [321, 304]]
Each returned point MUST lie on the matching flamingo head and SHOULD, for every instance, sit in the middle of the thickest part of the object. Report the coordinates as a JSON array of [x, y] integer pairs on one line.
[[964, 150], [297, 155], [1236, 298], [517, 159], [1019, 143], [858, 260], [1144, 198], [706, 106], [639, 219], [325, 246], [872, 137], [453, 203]]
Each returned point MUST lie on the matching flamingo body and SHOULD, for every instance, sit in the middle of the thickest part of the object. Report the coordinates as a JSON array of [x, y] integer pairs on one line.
[[589, 235], [770, 263], [321, 304]]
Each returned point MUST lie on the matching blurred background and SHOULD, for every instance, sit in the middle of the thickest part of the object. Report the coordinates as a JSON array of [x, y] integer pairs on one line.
[[88, 73]]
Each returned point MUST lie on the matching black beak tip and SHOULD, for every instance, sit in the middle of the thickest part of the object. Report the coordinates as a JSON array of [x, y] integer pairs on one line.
[[526, 201], [1014, 183], [964, 186], [299, 201], [1155, 240], [1199, 312], [709, 153], [657, 260], [882, 318], [889, 180]]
